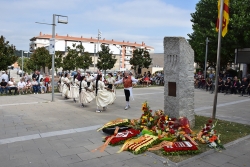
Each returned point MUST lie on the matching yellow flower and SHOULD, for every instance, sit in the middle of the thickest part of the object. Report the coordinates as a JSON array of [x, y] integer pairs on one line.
[[151, 119]]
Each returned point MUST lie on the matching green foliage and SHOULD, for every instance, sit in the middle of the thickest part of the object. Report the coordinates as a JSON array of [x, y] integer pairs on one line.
[[106, 60], [58, 59], [40, 59], [141, 59], [25, 67], [204, 22], [76, 58], [7, 56]]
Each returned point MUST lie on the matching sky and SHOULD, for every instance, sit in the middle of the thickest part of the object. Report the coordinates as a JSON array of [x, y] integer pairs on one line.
[[147, 21]]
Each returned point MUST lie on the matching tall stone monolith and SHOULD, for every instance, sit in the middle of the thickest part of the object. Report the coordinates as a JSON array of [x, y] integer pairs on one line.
[[179, 78]]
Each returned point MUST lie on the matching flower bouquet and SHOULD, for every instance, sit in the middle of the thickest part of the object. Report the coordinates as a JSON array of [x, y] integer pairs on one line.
[[121, 137], [117, 122], [208, 135]]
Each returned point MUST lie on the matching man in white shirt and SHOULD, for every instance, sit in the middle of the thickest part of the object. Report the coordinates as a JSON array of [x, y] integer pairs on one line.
[[5, 76], [21, 86], [12, 86]]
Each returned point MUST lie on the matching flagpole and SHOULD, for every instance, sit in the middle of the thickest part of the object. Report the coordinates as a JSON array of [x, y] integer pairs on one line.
[[218, 59]]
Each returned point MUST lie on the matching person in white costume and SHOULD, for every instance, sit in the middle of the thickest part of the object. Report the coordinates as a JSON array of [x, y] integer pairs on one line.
[[127, 81], [60, 83], [110, 83], [74, 88], [86, 94], [66, 86], [103, 97]]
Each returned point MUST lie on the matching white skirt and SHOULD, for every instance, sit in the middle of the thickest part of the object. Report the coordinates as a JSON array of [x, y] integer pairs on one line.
[[104, 98], [74, 92], [65, 90], [86, 96]]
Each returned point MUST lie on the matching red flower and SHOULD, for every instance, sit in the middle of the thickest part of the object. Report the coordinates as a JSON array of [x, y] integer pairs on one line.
[[207, 124], [170, 123], [150, 110], [208, 128], [210, 121], [173, 119], [163, 118], [171, 131]]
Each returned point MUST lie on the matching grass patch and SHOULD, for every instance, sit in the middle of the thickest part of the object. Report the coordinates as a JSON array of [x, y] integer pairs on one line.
[[229, 131]]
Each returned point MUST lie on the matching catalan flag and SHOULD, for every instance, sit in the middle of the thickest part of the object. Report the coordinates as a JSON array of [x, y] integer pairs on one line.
[[225, 20]]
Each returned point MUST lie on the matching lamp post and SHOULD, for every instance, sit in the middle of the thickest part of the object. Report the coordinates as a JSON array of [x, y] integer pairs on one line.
[[119, 56], [22, 63], [98, 37], [52, 50], [205, 66]]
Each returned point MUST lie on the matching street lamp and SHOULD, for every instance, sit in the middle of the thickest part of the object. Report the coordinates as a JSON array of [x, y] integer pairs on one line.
[[61, 19], [119, 56], [205, 71]]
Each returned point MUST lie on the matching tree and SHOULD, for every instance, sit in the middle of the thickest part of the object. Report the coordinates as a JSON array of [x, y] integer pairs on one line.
[[106, 60], [76, 58], [141, 59], [40, 59], [204, 22], [58, 60], [7, 56], [25, 66]]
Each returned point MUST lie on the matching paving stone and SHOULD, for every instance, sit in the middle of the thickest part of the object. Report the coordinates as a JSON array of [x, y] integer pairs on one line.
[[92, 155], [58, 162], [229, 165], [240, 161], [89, 163], [72, 159], [72, 151], [197, 163], [217, 158]]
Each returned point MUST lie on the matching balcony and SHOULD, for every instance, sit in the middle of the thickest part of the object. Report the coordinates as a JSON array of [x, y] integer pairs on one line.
[[128, 52], [127, 58]]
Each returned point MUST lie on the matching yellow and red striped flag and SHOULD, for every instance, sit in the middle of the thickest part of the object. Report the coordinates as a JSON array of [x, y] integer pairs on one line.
[[225, 20]]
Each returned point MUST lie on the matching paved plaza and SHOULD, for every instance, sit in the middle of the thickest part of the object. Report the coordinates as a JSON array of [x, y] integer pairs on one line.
[[35, 132]]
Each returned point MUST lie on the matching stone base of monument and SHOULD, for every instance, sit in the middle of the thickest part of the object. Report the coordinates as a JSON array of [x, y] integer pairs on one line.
[[178, 77]]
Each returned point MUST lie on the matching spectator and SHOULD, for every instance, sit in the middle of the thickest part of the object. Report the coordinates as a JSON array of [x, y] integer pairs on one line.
[[46, 81], [149, 74], [28, 86], [43, 88], [147, 80], [26, 77], [5, 76], [3, 86], [209, 84], [248, 89], [34, 75], [243, 86], [220, 85], [21, 86], [211, 75], [34, 84], [78, 75], [12, 86], [49, 88], [227, 85], [235, 86]]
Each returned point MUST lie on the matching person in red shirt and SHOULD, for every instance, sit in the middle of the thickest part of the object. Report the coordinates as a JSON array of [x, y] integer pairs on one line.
[[127, 82], [46, 81]]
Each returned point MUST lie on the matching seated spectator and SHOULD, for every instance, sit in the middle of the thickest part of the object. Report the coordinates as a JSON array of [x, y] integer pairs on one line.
[[49, 88], [12, 86], [243, 86], [209, 84], [3, 86], [235, 86], [227, 85], [28, 86], [21, 86], [220, 85], [248, 89], [46, 81], [147, 80], [34, 84], [43, 88]]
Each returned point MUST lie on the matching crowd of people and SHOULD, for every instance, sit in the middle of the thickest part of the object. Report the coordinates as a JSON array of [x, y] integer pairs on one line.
[[226, 84], [88, 87], [34, 84]]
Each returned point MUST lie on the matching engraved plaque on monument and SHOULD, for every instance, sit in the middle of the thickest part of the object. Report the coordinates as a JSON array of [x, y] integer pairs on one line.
[[178, 77]]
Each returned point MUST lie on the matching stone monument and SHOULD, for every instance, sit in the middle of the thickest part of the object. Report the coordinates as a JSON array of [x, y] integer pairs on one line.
[[179, 78]]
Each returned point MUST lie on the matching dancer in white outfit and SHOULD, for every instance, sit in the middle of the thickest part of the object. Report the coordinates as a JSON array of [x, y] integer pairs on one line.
[[74, 89], [86, 94], [111, 81], [103, 97], [66, 86]]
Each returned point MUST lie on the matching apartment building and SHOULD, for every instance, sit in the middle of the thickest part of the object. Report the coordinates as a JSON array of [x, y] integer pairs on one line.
[[121, 49]]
